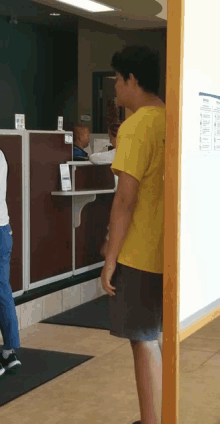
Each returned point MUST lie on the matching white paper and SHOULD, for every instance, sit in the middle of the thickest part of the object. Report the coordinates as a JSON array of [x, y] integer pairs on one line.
[[101, 145], [216, 125], [209, 140], [65, 177], [68, 139], [60, 123], [19, 122]]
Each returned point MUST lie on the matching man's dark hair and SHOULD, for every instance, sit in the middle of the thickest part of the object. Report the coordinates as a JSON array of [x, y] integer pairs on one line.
[[140, 61], [113, 128]]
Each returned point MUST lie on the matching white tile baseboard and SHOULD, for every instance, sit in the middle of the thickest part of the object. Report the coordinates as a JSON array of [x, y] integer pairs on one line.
[[32, 312], [46, 306]]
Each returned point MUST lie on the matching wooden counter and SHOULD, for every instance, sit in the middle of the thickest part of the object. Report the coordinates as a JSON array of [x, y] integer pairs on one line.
[[55, 234]]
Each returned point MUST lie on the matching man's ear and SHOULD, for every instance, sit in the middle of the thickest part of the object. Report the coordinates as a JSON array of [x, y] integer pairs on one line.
[[133, 80]]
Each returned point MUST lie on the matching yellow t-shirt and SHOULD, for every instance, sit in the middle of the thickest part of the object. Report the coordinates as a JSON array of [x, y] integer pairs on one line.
[[140, 152]]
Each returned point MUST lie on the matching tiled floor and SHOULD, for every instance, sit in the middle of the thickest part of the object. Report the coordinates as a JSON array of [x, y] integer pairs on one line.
[[103, 390]]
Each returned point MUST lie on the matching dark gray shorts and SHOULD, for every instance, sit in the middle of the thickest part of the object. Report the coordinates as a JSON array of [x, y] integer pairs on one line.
[[136, 310]]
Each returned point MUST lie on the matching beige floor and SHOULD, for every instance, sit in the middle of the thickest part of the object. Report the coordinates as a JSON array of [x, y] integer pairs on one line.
[[103, 390]]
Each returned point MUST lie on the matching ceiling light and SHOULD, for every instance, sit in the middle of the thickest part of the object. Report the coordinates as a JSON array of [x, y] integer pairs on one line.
[[54, 14], [89, 5]]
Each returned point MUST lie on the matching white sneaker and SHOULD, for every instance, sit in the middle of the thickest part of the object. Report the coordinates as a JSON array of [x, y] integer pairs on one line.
[[2, 370]]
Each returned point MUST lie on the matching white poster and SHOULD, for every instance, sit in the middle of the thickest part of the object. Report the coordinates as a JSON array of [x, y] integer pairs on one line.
[[65, 177], [60, 123], [19, 122], [101, 145], [68, 139], [209, 140]]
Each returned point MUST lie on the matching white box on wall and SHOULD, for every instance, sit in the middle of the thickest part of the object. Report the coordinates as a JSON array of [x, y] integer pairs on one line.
[[101, 145], [97, 137]]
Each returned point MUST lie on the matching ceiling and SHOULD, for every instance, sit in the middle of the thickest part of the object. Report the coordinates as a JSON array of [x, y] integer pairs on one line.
[[32, 12], [133, 14]]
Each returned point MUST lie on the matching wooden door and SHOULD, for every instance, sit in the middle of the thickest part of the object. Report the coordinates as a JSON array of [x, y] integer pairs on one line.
[[172, 212]]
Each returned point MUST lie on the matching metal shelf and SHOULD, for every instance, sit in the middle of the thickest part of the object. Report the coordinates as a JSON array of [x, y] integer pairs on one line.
[[78, 163], [81, 193]]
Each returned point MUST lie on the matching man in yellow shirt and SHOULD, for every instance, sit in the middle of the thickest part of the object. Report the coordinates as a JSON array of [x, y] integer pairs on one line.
[[133, 271]]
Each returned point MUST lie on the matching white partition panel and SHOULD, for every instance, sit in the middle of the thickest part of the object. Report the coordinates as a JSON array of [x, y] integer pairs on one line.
[[200, 163]]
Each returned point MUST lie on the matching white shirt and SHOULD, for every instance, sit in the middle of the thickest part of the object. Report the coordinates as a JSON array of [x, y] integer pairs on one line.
[[4, 218], [104, 158], [88, 150]]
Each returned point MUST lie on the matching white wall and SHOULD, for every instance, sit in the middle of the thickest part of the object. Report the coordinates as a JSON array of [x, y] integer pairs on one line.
[[200, 185]]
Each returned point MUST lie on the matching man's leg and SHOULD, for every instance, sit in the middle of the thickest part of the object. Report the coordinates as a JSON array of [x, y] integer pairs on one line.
[[148, 372], [160, 341]]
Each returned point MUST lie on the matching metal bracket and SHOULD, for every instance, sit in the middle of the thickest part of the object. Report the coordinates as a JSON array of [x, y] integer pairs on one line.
[[79, 203]]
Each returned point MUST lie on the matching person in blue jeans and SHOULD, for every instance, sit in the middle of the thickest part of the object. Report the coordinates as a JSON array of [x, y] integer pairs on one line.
[[8, 316]]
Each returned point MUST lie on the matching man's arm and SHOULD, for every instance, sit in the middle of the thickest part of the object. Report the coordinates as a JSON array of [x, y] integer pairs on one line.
[[122, 211]]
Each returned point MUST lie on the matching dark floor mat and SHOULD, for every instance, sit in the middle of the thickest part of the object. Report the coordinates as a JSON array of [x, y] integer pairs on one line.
[[38, 367], [93, 314]]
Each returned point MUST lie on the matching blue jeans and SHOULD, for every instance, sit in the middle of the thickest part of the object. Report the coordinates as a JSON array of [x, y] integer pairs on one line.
[[8, 316]]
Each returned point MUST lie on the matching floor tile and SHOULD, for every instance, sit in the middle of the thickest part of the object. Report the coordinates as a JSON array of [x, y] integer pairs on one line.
[[101, 383], [26, 333], [214, 324], [192, 359], [208, 333], [216, 413], [36, 415], [214, 361], [198, 343], [54, 337], [46, 345], [72, 330], [194, 415], [94, 346], [200, 388], [48, 332], [100, 409], [103, 390]]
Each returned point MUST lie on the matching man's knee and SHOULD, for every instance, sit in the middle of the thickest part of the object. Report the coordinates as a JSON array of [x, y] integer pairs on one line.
[[152, 346], [148, 344], [134, 343]]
